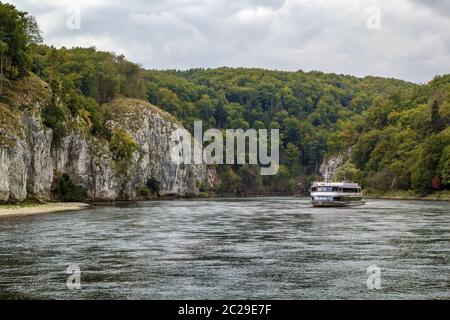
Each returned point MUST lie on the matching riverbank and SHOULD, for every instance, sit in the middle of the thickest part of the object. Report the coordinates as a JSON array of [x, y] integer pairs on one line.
[[32, 208], [408, 195]]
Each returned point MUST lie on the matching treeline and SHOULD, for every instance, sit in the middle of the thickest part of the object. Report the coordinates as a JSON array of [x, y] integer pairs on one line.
[[398, 131]]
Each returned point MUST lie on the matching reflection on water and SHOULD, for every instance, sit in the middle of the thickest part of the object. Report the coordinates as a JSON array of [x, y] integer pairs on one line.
[[231, 249]]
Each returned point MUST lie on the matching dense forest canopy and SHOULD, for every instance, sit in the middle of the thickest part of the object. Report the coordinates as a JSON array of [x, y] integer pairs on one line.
[[398, 132]]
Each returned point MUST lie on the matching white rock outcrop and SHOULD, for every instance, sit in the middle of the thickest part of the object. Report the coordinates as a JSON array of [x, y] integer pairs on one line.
[[331, 164], [28, 167]]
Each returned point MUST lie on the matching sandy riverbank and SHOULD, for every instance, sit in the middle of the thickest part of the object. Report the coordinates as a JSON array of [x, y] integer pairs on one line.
[[24, 210]]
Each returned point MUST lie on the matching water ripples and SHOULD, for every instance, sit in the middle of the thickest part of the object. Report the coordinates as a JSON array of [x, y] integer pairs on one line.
[[231, 249]]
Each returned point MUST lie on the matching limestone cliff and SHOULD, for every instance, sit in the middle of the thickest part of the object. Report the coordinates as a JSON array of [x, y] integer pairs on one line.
[[331, 164], [30, 159]]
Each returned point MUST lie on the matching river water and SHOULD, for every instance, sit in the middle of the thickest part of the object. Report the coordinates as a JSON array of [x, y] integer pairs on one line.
[[261, 248]]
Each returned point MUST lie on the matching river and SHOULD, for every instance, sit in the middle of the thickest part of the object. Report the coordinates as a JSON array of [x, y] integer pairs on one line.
[[260, 248]]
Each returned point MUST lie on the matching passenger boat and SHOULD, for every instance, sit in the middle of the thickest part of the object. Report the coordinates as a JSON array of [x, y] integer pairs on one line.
[[336, 194]]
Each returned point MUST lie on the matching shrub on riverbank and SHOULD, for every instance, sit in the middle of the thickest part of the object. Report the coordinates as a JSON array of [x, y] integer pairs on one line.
[[67, 191]]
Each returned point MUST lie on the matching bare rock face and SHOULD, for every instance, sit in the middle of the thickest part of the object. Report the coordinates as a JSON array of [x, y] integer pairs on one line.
[[38, 155], [330, 165], [4, 179], [29, 166], [14, 172]]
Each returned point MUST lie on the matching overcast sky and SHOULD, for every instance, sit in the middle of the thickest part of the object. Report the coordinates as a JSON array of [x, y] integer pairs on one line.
[[406, 39]]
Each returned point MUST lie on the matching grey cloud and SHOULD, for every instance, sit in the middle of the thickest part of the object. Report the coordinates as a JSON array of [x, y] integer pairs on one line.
[[439, 6]]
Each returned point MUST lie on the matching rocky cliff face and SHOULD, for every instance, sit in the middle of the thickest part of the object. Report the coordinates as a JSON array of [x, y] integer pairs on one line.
[[31, 160], [330, 165]]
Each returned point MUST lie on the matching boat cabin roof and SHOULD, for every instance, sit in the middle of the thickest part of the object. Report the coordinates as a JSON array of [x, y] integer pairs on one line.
[[336, 184]]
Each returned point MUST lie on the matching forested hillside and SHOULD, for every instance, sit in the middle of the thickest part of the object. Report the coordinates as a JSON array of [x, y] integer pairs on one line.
[[398, 132]]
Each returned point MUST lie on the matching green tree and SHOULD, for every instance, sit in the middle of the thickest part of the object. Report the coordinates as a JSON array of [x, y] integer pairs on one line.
[[122, 145], [18, 31], [444, 166], [153, 185], [427, 167], [229, 180], [437, 124], [3, 51], [66, 190], [349, 173], [55, 115], [292, 158]]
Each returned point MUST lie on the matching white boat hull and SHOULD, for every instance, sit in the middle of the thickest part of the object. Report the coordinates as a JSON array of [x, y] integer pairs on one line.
[[319, 203]]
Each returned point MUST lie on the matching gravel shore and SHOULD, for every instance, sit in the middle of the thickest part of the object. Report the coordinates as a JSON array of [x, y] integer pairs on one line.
[[19, 210]]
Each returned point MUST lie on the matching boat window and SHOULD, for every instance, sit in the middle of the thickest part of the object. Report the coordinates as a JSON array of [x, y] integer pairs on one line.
[[323, 198], [335, 189], [325, 189], [352, 190]]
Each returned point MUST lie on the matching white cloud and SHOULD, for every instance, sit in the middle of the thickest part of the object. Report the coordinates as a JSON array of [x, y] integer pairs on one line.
[[255, 15], [413, 42]]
